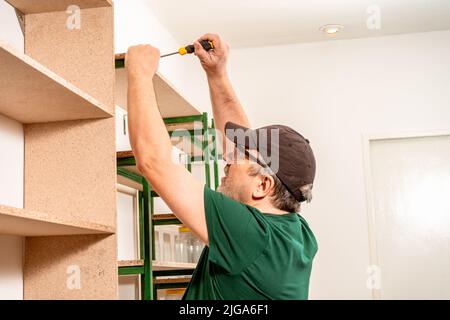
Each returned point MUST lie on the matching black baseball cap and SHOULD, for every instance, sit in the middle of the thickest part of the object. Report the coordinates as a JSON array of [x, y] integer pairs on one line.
[[285, 151]]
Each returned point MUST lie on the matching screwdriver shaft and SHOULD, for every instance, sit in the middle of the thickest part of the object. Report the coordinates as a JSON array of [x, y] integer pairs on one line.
[[169, 54]]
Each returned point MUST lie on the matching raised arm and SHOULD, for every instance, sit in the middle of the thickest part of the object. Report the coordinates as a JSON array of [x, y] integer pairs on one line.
[[225, 104], [152, 147]]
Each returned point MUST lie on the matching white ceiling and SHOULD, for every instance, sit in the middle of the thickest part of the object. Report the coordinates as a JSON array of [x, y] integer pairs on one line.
[[245, 23]]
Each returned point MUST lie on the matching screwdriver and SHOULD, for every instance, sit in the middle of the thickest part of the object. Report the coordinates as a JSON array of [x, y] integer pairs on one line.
[[206, 44]]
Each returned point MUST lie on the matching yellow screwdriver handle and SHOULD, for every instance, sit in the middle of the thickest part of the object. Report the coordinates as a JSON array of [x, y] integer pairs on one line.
[[206, 44]]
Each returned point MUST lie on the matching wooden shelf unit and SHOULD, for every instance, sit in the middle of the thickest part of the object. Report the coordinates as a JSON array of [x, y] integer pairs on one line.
[[62, 91]]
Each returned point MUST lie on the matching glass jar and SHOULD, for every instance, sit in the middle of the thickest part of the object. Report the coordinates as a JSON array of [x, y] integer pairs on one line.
[[198, 249], [157, 252], [183, 244]]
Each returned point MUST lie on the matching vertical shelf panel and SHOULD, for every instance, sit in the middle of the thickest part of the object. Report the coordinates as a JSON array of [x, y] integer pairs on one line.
[[81, 56], [72, 163], [52, 265]]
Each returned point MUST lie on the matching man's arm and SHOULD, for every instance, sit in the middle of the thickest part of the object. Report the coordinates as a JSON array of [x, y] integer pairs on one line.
[[226, 105], [152, 147]]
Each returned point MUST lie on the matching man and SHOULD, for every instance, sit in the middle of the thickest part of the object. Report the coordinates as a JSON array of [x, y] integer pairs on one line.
[[257, 246]]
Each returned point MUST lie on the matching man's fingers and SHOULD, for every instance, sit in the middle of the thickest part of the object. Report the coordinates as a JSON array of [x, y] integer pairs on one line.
[[199, 51], [212, 37]]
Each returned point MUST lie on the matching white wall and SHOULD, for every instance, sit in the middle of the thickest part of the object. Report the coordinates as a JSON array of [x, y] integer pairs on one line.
[[11, 173], [11, 271], [11, 194], [11, 32], [333, 92]]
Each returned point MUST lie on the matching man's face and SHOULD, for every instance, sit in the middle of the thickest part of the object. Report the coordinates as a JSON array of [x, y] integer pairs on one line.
[[237, 183]]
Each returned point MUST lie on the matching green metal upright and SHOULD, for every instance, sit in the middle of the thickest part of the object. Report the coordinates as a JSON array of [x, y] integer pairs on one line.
[[205, 149], [147, 278], [214, 152]]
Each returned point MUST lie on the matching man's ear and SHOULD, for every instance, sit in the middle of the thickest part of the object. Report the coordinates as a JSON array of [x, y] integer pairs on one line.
[[264, 188]]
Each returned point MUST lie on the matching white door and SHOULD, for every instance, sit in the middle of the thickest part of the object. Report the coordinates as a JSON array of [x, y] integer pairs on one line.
[[410, 182]]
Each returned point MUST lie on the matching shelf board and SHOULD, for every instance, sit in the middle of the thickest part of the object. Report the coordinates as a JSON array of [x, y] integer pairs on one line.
[[165, 219], [23, 222], [31, 93], [170, 102], [124, 154], [172, 280], [131, 263], [129, 183], [164, 266], [163, 216], [39, 6], [157, 265]]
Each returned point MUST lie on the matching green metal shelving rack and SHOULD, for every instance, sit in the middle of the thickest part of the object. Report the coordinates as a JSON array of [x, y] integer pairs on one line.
[[147, 220]]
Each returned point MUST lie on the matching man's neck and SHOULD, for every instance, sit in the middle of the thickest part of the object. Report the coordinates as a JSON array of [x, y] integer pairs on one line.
[[266, 208]]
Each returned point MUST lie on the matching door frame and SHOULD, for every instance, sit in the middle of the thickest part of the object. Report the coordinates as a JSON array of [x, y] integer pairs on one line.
[[366, 139]]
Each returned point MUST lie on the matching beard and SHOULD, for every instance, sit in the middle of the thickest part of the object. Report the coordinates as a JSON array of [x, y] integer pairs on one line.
[[229, 190]]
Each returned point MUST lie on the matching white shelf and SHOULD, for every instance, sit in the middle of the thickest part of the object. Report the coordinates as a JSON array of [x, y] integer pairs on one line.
[[170, 102], [31, 93], [22, 222]]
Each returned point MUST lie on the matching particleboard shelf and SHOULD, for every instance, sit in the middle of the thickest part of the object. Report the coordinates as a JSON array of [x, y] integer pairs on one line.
[[158, 265], [129, 183], [124, 154], [170, 102], [31, 93], [39, 6], [163, 216], [131, 263], [161, 219], [172, 280], [22, 222], [167, 265]]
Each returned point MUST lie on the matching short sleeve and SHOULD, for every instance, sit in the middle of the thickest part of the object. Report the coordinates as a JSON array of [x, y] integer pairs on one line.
[[236, 233]]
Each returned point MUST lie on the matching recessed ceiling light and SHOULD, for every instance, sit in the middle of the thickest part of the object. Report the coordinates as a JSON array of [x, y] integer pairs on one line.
[[331, 28]]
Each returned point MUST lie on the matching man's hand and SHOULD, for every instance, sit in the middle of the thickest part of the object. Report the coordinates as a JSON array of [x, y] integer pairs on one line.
[[142, 60], [226, 106], [214, 61]]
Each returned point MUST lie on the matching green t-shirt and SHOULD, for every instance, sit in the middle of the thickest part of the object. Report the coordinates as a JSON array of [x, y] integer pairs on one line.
[[252, 255]]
